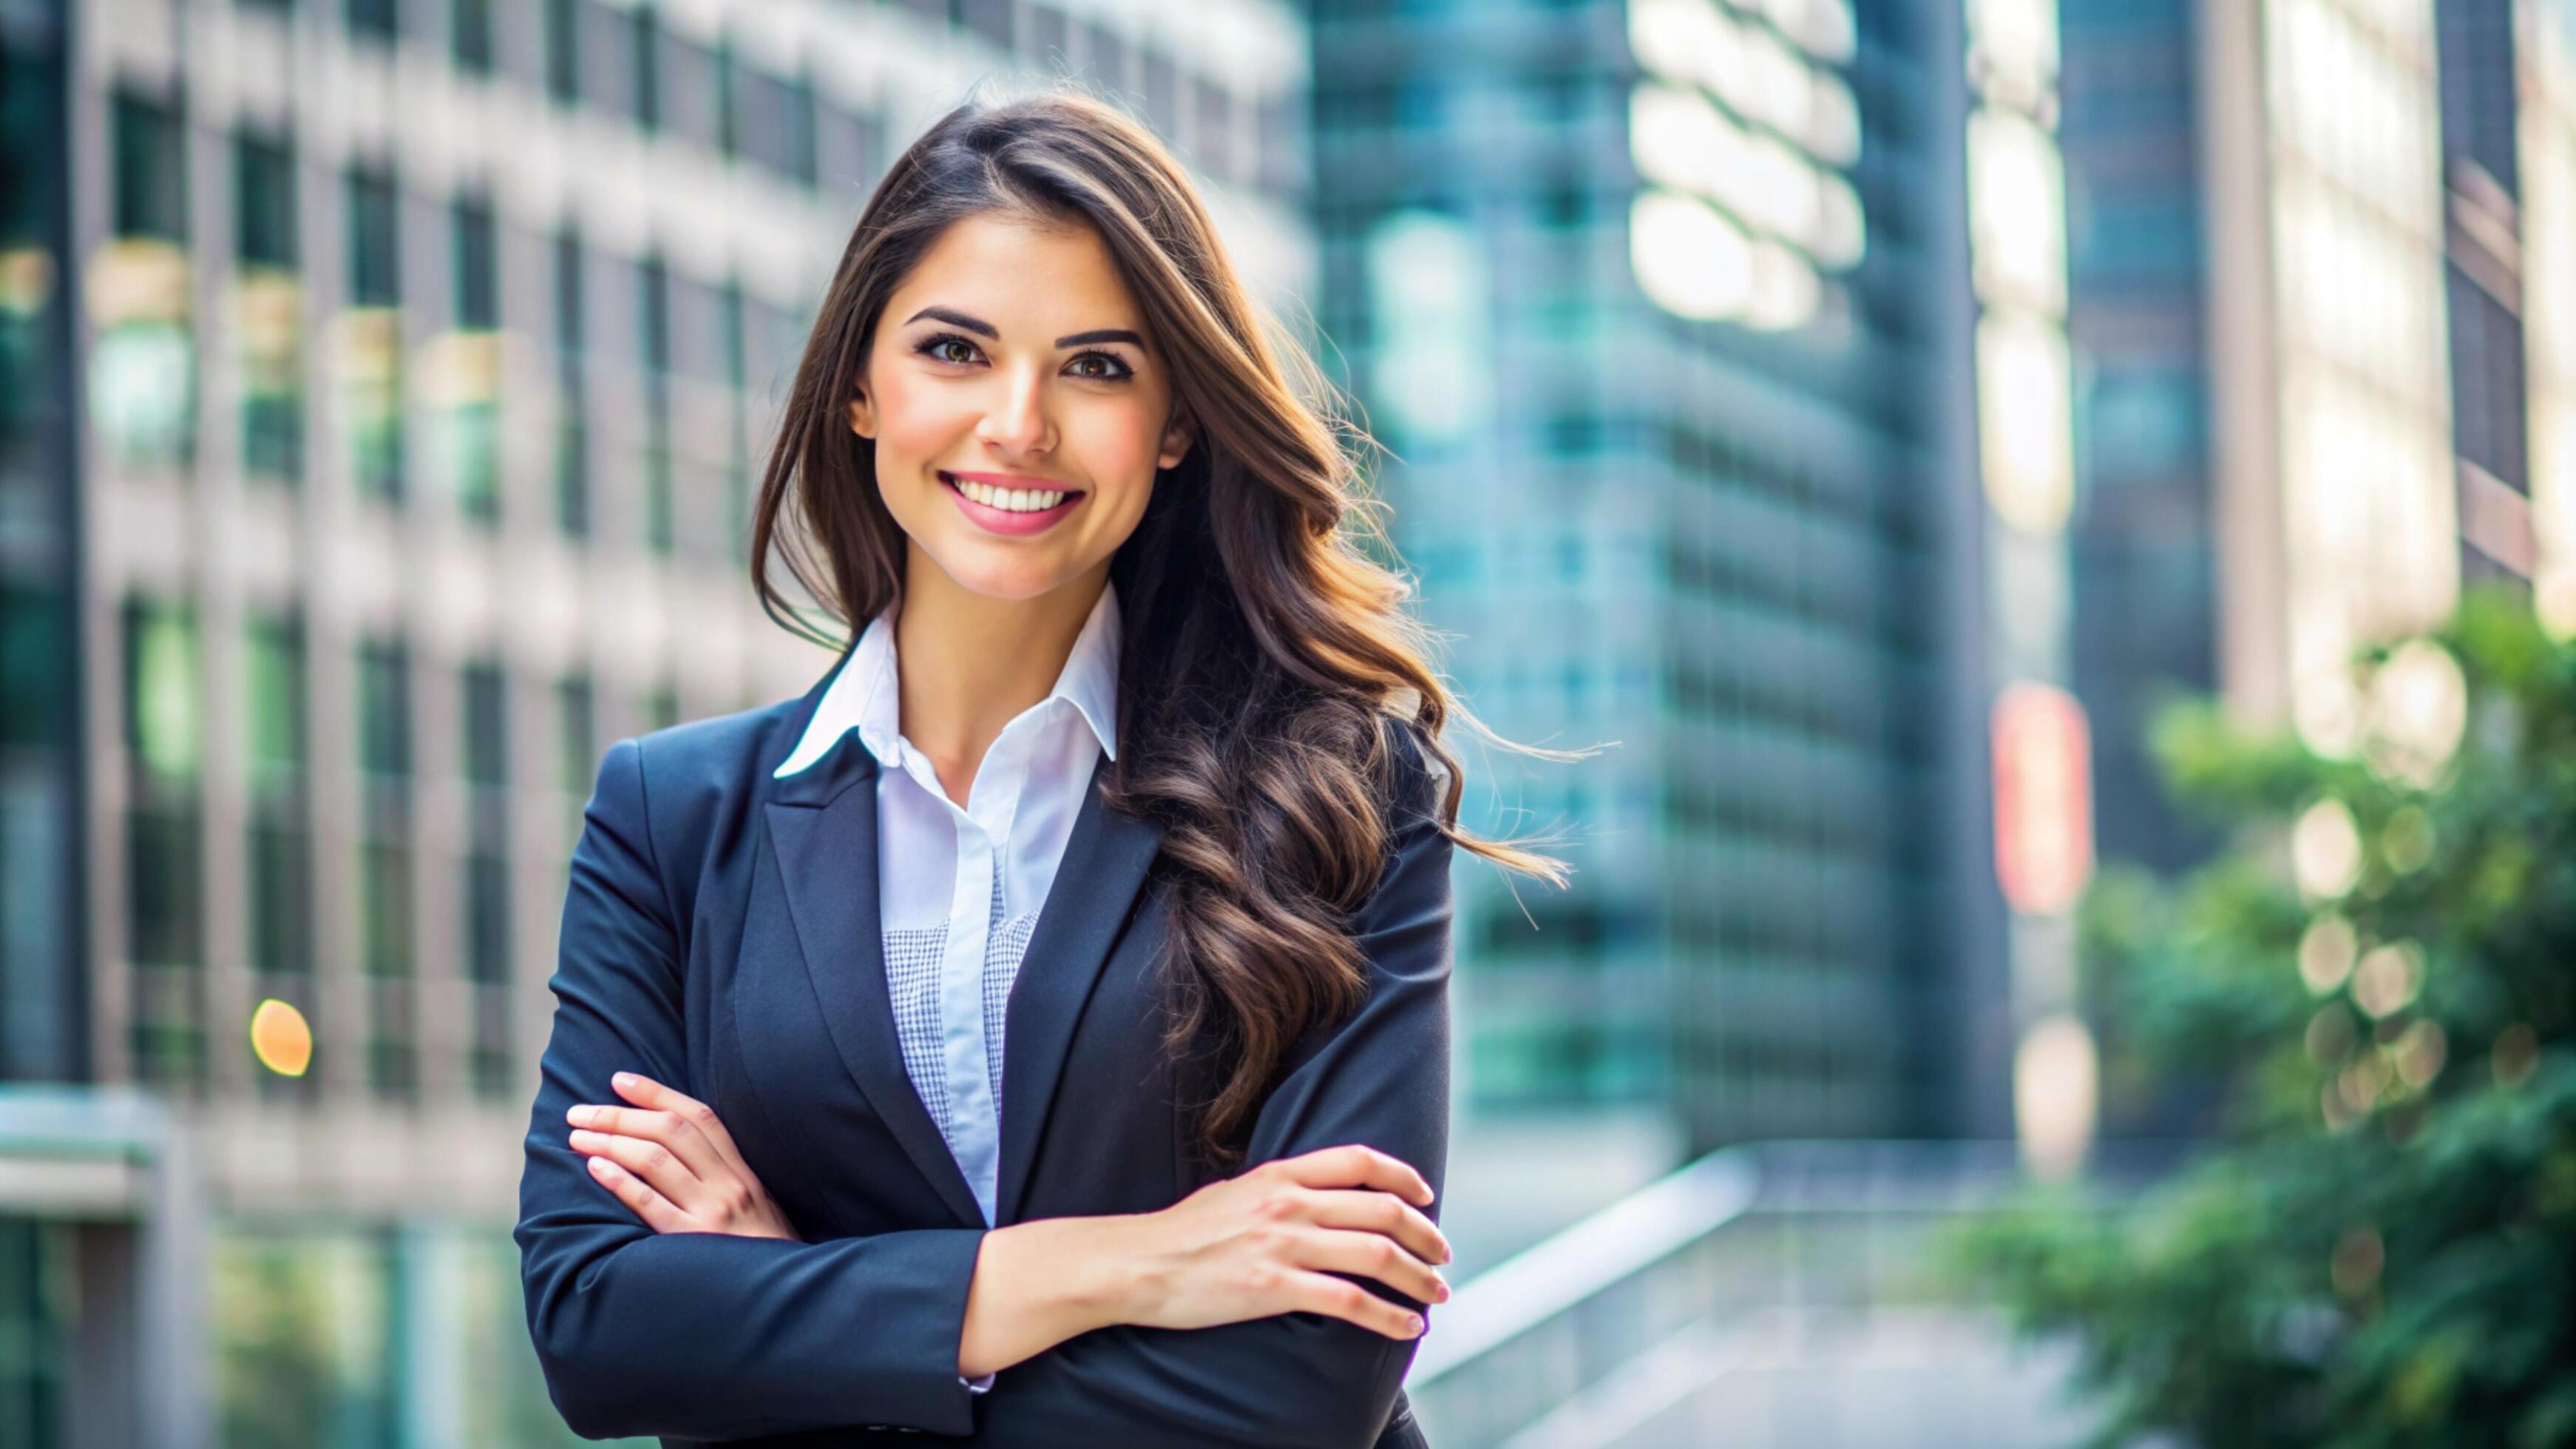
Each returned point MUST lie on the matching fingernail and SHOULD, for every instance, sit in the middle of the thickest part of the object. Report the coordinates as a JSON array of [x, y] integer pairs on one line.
[[598, 1165], [624, 1079], [1441, 1294], [1413, 1325], [585, 1139], [578, 1116]]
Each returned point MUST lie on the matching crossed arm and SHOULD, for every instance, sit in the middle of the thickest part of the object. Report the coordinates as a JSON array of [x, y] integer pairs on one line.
[[1218, 1320]]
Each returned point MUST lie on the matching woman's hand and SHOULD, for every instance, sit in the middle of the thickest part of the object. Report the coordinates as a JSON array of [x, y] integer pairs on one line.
[[1265, 1242], [1252, 1246], [670, 1161]]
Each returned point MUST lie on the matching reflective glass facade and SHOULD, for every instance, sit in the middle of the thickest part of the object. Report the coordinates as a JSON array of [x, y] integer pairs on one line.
[[1657, 329]]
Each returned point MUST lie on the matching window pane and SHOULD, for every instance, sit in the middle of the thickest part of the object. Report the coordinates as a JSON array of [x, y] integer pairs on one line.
[[264, 201], [687, 94], [151, 170], [375, 254], [384, 887], [373, 18], [563, 50], [845, 150], [281, 881], [273, 662], [473, 35], [384, 710], [486, 725], [478, 301], [161, 697], [487, 918], [576, 739]]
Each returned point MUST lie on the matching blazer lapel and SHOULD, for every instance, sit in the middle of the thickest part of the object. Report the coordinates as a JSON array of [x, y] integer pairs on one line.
[[1105, 862], [823, 830]]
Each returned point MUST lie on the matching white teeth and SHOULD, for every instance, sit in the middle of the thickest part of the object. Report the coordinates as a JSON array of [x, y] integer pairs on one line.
[[1011, 500]]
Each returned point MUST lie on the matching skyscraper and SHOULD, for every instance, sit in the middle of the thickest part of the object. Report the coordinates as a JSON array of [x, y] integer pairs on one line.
[[2312, 400], [1661, 307]]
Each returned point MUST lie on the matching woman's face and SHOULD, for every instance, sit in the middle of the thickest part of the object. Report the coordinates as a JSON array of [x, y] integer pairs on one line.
[[1019, 409]]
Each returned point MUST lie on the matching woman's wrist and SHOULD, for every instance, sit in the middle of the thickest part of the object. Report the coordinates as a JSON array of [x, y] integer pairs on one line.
[[1039, 1283]]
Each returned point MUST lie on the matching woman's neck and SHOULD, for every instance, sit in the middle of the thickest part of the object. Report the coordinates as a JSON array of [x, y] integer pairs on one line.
[[967, 664]]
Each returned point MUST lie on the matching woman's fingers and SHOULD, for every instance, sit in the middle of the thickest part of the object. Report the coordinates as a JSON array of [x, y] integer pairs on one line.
[[1355, 1165], [1372, 1255], [1380, 1212], [1343, 1299], [658, 1166], [647, 1093], [673, 1132], [656, 1211]]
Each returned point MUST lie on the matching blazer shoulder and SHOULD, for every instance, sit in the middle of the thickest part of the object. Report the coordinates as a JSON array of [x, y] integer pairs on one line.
[[1413, 780], [693, 774]]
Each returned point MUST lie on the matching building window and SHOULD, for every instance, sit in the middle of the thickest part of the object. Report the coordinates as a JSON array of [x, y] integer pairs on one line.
[[374, 19], [470, 35], [572, 426], [280, 859], [563, 51], [164, 900], [645, 53], [487, 873], [268, 307], [372, 334], [468, 419], [653, 328], [385, 892], [151, 170], [264, 201], [375, 250], [773, 122], [846, 148], [384, 710], [576, 734], [486, 725], [478, 297], [688, 90]]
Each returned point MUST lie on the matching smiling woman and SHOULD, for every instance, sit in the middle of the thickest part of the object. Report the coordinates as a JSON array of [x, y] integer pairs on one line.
[[1127, 791]]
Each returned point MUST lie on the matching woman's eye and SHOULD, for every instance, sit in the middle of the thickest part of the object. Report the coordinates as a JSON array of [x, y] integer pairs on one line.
[[939, 348], [1115, 368]]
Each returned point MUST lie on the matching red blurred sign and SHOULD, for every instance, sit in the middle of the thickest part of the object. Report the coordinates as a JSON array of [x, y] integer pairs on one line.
[[2043, 798]]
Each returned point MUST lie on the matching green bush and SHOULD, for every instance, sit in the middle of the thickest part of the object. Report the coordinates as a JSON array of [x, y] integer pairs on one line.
[[2378, 1244]]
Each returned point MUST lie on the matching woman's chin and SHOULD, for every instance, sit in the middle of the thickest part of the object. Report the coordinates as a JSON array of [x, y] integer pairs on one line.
[[972, 569]]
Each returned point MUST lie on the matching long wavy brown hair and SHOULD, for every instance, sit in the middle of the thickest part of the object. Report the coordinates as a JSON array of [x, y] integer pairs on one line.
[[1266, 656]]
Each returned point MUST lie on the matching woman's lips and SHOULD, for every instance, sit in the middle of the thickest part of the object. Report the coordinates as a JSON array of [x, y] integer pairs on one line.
[[1004, 521]]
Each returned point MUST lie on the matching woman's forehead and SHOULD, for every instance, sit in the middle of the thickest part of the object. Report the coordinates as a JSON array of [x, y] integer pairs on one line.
[[1025, 279]]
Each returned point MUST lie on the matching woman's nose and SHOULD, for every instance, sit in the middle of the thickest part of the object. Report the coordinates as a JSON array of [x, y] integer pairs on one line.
[[1018, 419]]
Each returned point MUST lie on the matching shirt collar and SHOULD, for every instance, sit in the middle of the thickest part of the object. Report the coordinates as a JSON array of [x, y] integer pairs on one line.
[[864, 696]]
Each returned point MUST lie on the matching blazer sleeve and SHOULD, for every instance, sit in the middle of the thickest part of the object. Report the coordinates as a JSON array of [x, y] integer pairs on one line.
[[701, 1335], [1380, 1077]]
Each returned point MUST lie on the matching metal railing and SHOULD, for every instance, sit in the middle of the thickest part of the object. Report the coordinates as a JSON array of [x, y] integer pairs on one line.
[[1658, 1292]]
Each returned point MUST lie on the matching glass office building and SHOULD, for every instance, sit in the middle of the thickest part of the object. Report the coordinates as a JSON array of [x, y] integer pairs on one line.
[[386, 385], [1661, 308], [2307, 408]]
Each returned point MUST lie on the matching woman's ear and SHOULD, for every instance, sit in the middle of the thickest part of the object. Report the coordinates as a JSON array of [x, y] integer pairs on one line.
[[863, 415], [1177, 439]]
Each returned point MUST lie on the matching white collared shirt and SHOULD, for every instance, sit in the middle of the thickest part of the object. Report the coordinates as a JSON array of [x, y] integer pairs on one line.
[[958, 890]]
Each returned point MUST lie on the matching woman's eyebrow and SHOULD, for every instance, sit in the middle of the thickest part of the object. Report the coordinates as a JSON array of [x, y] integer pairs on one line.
[[981, 327]]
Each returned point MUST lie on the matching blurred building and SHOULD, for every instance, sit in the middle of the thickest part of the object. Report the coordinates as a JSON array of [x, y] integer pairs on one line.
[[382, 387], [1662, 307], [2300, 285]]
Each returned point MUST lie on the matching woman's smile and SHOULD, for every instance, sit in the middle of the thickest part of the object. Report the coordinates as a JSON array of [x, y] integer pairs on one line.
[[1010, 511]]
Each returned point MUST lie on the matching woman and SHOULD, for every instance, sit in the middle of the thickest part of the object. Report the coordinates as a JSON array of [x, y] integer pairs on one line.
[[1128, 799]]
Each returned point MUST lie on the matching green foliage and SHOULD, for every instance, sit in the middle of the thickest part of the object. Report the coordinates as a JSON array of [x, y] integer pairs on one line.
[[2378, 1246]]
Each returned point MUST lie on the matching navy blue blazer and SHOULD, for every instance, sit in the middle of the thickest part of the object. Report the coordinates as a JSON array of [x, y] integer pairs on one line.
[[721, 935]]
